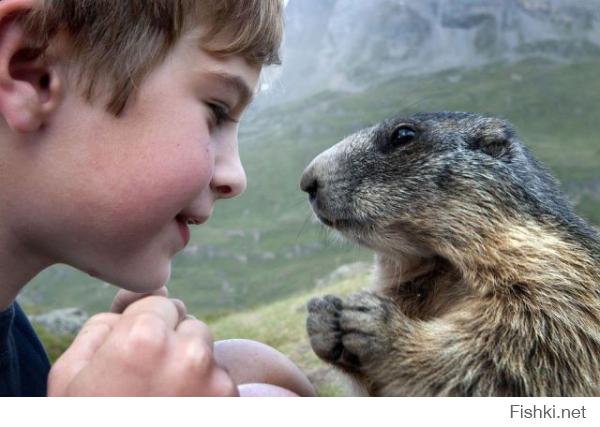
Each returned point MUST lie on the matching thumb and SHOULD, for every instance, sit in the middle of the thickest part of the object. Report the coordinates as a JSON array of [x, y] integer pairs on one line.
[[90, 338], [125, 298]]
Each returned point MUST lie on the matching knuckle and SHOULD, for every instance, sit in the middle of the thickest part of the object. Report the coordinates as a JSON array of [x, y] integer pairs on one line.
[[197, 356], [193, 327], [148, 335], [202, 328]]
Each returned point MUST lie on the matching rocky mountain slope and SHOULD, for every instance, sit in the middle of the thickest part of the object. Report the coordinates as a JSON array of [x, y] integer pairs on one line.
[[351, 44]]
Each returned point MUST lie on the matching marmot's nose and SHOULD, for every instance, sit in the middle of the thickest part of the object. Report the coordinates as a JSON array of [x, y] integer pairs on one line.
[[309, 183]]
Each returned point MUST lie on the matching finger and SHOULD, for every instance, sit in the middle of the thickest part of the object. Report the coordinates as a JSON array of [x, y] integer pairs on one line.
[[181, 308], [193, 359], [125, 298], [90, 338], [249, 361], [162, 307], [191, 327]]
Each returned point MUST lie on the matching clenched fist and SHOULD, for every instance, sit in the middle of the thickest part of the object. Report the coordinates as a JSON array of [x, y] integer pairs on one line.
[[150, 349]]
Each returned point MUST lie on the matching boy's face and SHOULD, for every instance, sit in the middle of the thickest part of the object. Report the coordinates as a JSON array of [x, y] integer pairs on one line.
[[111, 196]]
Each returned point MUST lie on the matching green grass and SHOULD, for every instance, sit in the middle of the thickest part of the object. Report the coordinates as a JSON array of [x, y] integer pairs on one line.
[[55, 345]]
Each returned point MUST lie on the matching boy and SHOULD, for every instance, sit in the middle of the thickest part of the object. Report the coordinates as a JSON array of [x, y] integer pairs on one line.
[[119, 129]]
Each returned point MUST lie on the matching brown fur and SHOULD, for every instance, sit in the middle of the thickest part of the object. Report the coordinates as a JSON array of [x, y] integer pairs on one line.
[[473, 296]]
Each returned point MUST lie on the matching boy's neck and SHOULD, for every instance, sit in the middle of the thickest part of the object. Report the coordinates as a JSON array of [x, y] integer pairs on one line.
[[17, 268]]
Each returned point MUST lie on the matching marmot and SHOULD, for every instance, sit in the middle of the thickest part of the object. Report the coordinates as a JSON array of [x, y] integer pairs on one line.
[[487, 283]]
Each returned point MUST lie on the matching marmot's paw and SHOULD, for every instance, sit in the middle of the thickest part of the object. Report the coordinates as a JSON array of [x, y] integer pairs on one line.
[[351, 332]]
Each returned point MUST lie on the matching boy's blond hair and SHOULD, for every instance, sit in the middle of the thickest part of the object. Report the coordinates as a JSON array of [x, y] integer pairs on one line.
[[118, 42]]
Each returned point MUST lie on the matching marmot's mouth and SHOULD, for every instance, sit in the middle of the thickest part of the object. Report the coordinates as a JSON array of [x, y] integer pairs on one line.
[[334, 218], [338, 224]]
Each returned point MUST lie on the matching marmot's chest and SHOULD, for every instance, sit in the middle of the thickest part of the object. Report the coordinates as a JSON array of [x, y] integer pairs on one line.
[[417, 300], [428, 297]]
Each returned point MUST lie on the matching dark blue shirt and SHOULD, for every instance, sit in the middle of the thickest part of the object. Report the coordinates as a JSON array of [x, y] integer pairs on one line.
[[24, 365]]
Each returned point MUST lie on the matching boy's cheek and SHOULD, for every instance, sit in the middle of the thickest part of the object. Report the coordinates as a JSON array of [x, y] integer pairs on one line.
[[112, 214], [117, 211], [146, 200]]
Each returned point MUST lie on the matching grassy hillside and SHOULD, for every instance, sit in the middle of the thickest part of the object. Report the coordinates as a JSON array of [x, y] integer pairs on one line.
[[263, 246]]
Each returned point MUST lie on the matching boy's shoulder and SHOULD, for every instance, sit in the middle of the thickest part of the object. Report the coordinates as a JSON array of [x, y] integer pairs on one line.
[[24, 365]]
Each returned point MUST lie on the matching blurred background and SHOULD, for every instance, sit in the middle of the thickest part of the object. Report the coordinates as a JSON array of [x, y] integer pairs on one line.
[[348, 64]]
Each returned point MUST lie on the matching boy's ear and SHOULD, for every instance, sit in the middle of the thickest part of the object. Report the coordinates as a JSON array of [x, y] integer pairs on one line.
[[29, 85]]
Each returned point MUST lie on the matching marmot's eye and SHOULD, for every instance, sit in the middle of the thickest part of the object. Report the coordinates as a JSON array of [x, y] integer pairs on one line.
[[403, 135]]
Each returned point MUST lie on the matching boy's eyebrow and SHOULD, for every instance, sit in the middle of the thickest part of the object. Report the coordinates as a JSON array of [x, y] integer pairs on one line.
[[234, 83]]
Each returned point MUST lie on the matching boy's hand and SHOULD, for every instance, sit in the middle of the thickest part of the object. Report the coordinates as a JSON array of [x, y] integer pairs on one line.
[[148, 350], [125, 298]]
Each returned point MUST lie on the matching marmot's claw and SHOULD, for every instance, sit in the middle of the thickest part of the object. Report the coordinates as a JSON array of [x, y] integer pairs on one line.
[[348, 333], [323, 327], [329, 303]]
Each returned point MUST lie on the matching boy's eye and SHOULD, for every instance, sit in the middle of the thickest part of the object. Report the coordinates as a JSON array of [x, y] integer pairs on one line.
[[220, 113]]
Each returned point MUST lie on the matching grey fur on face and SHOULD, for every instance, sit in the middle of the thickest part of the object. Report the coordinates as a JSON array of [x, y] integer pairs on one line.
[[375, 180]]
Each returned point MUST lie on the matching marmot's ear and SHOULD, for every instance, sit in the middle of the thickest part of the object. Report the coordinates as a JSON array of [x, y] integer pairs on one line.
[[492, 136]]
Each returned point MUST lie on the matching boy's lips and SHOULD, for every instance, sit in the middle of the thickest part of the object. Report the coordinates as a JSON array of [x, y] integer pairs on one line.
[[184, 230]]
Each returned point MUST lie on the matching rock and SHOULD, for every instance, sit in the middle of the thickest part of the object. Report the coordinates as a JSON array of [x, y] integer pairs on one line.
[[266, 256], [66, 321], [300, 250], [343, 272], [235, 233], [190, 250]]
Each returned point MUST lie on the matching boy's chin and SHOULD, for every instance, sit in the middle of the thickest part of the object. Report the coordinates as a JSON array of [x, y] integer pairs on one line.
[[145, 281]]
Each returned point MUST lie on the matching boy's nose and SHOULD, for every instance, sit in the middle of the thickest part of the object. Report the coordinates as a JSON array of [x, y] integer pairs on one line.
[[229, 179]]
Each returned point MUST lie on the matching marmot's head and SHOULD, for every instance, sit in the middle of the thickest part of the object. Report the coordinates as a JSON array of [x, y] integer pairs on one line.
[[434, 178]]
